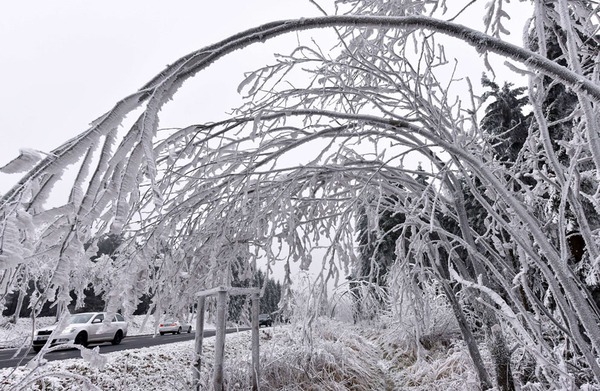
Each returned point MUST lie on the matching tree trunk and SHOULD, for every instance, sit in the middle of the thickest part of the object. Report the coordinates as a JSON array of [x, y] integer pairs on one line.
[[17, 313], [501, 355], [501, 358], [484, 378]]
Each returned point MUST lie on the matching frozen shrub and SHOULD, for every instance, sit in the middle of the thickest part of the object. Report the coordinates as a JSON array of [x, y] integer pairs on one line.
[[339, 359]]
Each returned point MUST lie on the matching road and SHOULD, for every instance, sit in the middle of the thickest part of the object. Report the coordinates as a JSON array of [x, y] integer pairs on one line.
[[10, 358]]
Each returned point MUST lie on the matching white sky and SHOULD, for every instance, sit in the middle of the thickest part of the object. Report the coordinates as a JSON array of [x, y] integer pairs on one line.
[[64, 63]]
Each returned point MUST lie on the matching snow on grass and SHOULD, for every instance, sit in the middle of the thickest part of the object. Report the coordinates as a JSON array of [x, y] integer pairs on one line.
[[448, 370], [339, 356], [339, 359], [15, 335], [158, 368], [439, 362]]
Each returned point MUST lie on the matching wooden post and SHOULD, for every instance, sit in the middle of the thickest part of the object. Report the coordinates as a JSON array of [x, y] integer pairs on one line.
[[198, 342], [222, 293], [220, 340], [255, 375]]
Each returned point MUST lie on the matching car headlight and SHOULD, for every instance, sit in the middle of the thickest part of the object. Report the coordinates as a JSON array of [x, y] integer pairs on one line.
[[69, 330]]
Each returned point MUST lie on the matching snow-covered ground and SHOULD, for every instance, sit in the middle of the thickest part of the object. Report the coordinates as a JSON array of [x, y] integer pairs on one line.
[[334, 356]]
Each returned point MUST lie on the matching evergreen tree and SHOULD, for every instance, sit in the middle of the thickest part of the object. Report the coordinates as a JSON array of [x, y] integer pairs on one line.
[[377, 244], [504, 120], [269, 302], [421, 177], [93, 301], [377, 238], [238, 303]]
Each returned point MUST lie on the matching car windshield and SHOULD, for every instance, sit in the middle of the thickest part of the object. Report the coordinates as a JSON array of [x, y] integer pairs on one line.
[[80, 318], [263, 316]]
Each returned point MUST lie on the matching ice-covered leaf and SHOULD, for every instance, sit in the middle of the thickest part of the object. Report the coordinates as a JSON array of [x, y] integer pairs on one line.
[[26, 160]]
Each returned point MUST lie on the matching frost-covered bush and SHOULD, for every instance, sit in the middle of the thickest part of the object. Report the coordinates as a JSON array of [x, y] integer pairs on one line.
[[449, 370], [359, 301], [339, 359], [420, 319]]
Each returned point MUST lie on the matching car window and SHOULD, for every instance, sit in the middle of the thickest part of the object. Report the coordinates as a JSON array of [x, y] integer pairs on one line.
[[80, 318], [118, 318], [98, 318]]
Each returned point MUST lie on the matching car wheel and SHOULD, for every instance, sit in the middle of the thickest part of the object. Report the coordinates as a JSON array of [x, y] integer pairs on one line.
[[189, 329], [37, 348], [179, 330], [161, 333], [118, 338], [81, 339]]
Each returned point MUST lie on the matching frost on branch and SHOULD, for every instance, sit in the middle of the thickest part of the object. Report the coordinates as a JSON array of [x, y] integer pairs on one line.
[[24, 162]]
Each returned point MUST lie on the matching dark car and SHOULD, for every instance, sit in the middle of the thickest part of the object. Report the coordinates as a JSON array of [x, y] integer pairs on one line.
[[265, 320]]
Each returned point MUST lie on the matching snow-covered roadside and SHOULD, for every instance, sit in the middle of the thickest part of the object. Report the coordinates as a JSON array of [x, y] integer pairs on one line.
[[157, 368], [16, 335], [340, 357]]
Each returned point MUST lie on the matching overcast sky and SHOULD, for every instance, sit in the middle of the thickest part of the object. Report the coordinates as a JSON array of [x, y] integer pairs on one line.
[[66, 62]]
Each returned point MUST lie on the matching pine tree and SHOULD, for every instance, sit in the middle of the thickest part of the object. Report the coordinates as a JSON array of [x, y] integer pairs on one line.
[[377, 245], [504, 120], [269, 302], [421, 177]]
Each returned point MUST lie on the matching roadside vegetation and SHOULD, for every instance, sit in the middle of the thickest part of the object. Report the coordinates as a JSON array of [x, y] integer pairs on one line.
[[341, 357]]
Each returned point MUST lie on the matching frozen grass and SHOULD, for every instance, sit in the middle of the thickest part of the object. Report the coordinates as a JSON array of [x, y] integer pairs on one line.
[[15, 335], [441, 370], [341, 357]]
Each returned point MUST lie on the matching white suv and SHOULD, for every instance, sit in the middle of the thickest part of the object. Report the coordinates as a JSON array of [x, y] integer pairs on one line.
[[83, 329]]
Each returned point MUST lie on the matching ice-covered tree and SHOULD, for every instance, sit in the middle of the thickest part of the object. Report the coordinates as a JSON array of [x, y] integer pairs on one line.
[[324, 132]]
